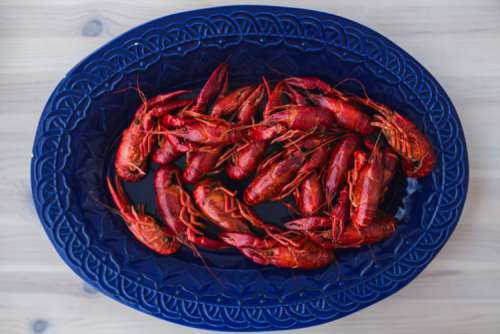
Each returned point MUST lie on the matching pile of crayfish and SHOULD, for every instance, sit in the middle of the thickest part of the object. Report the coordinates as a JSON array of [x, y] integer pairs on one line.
[[334, 154]]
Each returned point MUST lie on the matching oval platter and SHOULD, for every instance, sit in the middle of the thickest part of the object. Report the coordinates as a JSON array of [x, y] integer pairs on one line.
[[76, 140]]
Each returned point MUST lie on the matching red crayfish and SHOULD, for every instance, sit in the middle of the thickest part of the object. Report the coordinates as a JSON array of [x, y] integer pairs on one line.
[[138, 139], [143, 226], [335, 154]]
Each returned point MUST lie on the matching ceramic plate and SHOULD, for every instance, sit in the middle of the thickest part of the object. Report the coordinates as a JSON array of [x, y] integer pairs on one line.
[[76, 140]]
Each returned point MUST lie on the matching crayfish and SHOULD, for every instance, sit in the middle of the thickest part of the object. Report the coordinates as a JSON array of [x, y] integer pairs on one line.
[[328, 155]]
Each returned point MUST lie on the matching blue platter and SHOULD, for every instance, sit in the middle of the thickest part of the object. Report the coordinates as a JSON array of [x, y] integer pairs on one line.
[[76, 140]]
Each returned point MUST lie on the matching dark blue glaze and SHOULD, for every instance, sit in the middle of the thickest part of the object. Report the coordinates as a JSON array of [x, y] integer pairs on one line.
[[76, 139]]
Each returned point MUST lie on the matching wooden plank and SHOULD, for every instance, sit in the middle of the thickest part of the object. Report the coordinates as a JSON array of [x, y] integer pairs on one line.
[[458, 41]]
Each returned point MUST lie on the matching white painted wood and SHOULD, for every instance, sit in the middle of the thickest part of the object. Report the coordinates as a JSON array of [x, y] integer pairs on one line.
[[458, 41]]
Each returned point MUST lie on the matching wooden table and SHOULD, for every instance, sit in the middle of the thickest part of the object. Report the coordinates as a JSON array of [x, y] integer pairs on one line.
[[458, 41]]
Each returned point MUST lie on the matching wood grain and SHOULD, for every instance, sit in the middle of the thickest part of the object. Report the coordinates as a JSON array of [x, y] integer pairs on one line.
[[458, 41]]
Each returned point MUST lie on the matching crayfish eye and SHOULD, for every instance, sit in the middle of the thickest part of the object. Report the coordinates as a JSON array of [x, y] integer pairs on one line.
[[185, 130]]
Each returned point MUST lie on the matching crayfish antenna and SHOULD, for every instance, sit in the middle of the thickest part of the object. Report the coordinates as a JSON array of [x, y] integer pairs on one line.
[[337, 267], [137, 168], [275, 70], [225, 156], [266, 86], [198, 254], [106, 206], [215, 171], [136, 87], [289, 135], [289, 206], [281, 107], [283, 240], [271, 159], [291, 187], [284, 135], [118, 194], [142, 96], [376, 148], [244, 127], [228, 58], [363, 88]]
